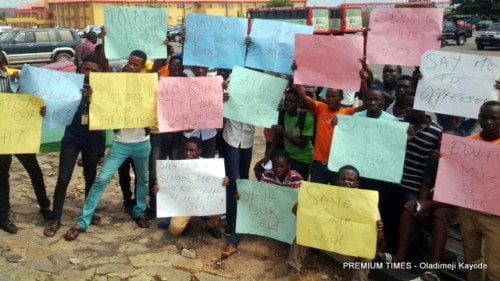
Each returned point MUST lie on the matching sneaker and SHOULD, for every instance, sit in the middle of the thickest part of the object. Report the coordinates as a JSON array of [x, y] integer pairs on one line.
[[215, 232], [8, 226], [47, 214]]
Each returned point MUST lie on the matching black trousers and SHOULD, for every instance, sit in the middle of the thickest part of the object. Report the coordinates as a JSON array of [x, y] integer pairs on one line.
[[29, 163]]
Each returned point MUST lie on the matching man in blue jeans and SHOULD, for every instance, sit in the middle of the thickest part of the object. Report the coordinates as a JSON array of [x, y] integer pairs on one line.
[[132, 143]]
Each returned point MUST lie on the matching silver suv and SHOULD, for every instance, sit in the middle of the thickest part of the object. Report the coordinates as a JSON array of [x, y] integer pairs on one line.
[[39, 45]]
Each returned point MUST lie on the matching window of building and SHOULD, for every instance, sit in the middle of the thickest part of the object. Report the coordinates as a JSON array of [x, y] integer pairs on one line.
[[223, 5], [209, 6], [180, 6], [230, 6]]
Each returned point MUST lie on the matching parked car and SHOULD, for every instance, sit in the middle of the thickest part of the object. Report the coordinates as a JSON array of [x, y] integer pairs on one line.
[[462, 22], [95, 28], [490, 37], [39, 45], [483, 25], [5, 28], [452, 33]]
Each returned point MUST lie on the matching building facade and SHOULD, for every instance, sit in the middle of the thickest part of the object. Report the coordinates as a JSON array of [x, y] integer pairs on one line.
[[81, 13]]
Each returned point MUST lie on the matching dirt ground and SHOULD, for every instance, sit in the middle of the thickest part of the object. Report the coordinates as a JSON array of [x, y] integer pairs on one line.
[[118, 250]]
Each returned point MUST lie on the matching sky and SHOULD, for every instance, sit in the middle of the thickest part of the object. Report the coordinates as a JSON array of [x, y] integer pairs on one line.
[[14, 3]]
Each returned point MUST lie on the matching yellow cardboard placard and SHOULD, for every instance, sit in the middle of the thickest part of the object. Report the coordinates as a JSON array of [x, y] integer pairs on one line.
[[20, 123], [123, 100], [338, 219]]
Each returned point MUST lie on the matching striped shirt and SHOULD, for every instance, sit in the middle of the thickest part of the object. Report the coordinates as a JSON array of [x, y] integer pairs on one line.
[[4, 82], [418, 150], [292, 179]]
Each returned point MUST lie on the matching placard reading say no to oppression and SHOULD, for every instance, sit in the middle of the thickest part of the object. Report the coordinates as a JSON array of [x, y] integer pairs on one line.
[[456, 84]]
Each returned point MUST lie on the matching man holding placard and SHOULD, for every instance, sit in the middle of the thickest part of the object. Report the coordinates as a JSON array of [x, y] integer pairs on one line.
[[28, 161], [127, 143], [325, 115], [181, 224], [481, 231]]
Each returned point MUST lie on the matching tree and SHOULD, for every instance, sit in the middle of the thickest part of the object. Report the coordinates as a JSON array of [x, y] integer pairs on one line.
[[481, 8], [279, 3]]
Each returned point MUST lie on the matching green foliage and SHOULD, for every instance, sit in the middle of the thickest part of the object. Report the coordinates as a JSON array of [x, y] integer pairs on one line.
[[279, 3], [481, 8]]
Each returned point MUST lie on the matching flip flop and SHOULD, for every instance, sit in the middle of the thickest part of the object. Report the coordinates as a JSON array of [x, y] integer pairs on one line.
[[73, 233], [385, 257], [430, 276]]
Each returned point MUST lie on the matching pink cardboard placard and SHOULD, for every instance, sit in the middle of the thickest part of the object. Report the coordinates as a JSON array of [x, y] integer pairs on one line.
[[401, 36], [189, 103], [469, 174], [328, 61]]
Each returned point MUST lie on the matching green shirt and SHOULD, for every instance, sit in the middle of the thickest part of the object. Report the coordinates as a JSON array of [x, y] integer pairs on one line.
[[305, 154]]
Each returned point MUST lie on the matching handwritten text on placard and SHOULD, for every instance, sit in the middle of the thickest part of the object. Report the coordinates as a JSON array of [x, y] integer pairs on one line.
[[337, 219], [123, 100], [314, 69], [272, 46], [468, 174], [401, 36], [132, 28], [456, 84], [254, 97], [20, 123], [266, 209], [190, 187], [189, 103], [365, 143], [213, 41], [61, 92]]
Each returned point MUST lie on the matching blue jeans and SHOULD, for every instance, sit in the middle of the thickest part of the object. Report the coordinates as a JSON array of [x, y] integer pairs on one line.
[[237, 164], [139, 152], [67, 160]]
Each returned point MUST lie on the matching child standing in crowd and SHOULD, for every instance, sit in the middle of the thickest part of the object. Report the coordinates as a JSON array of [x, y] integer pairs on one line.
[[281, 174]]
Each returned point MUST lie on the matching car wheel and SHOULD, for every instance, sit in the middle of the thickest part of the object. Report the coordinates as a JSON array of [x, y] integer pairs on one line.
[[177, 38], [480, 47], [461, 40], [63, 57]]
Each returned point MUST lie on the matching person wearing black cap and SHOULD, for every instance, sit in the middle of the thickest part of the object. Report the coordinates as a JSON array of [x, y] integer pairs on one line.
[[132, 143]]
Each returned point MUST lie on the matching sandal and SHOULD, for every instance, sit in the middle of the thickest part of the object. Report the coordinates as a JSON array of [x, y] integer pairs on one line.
[[430, 276], [141, 222], [51, 229], [96, 220], [230, 250], [387, 257], [73, 233]]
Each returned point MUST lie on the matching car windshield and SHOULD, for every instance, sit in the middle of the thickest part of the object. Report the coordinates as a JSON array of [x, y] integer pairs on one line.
[[494, 27]]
